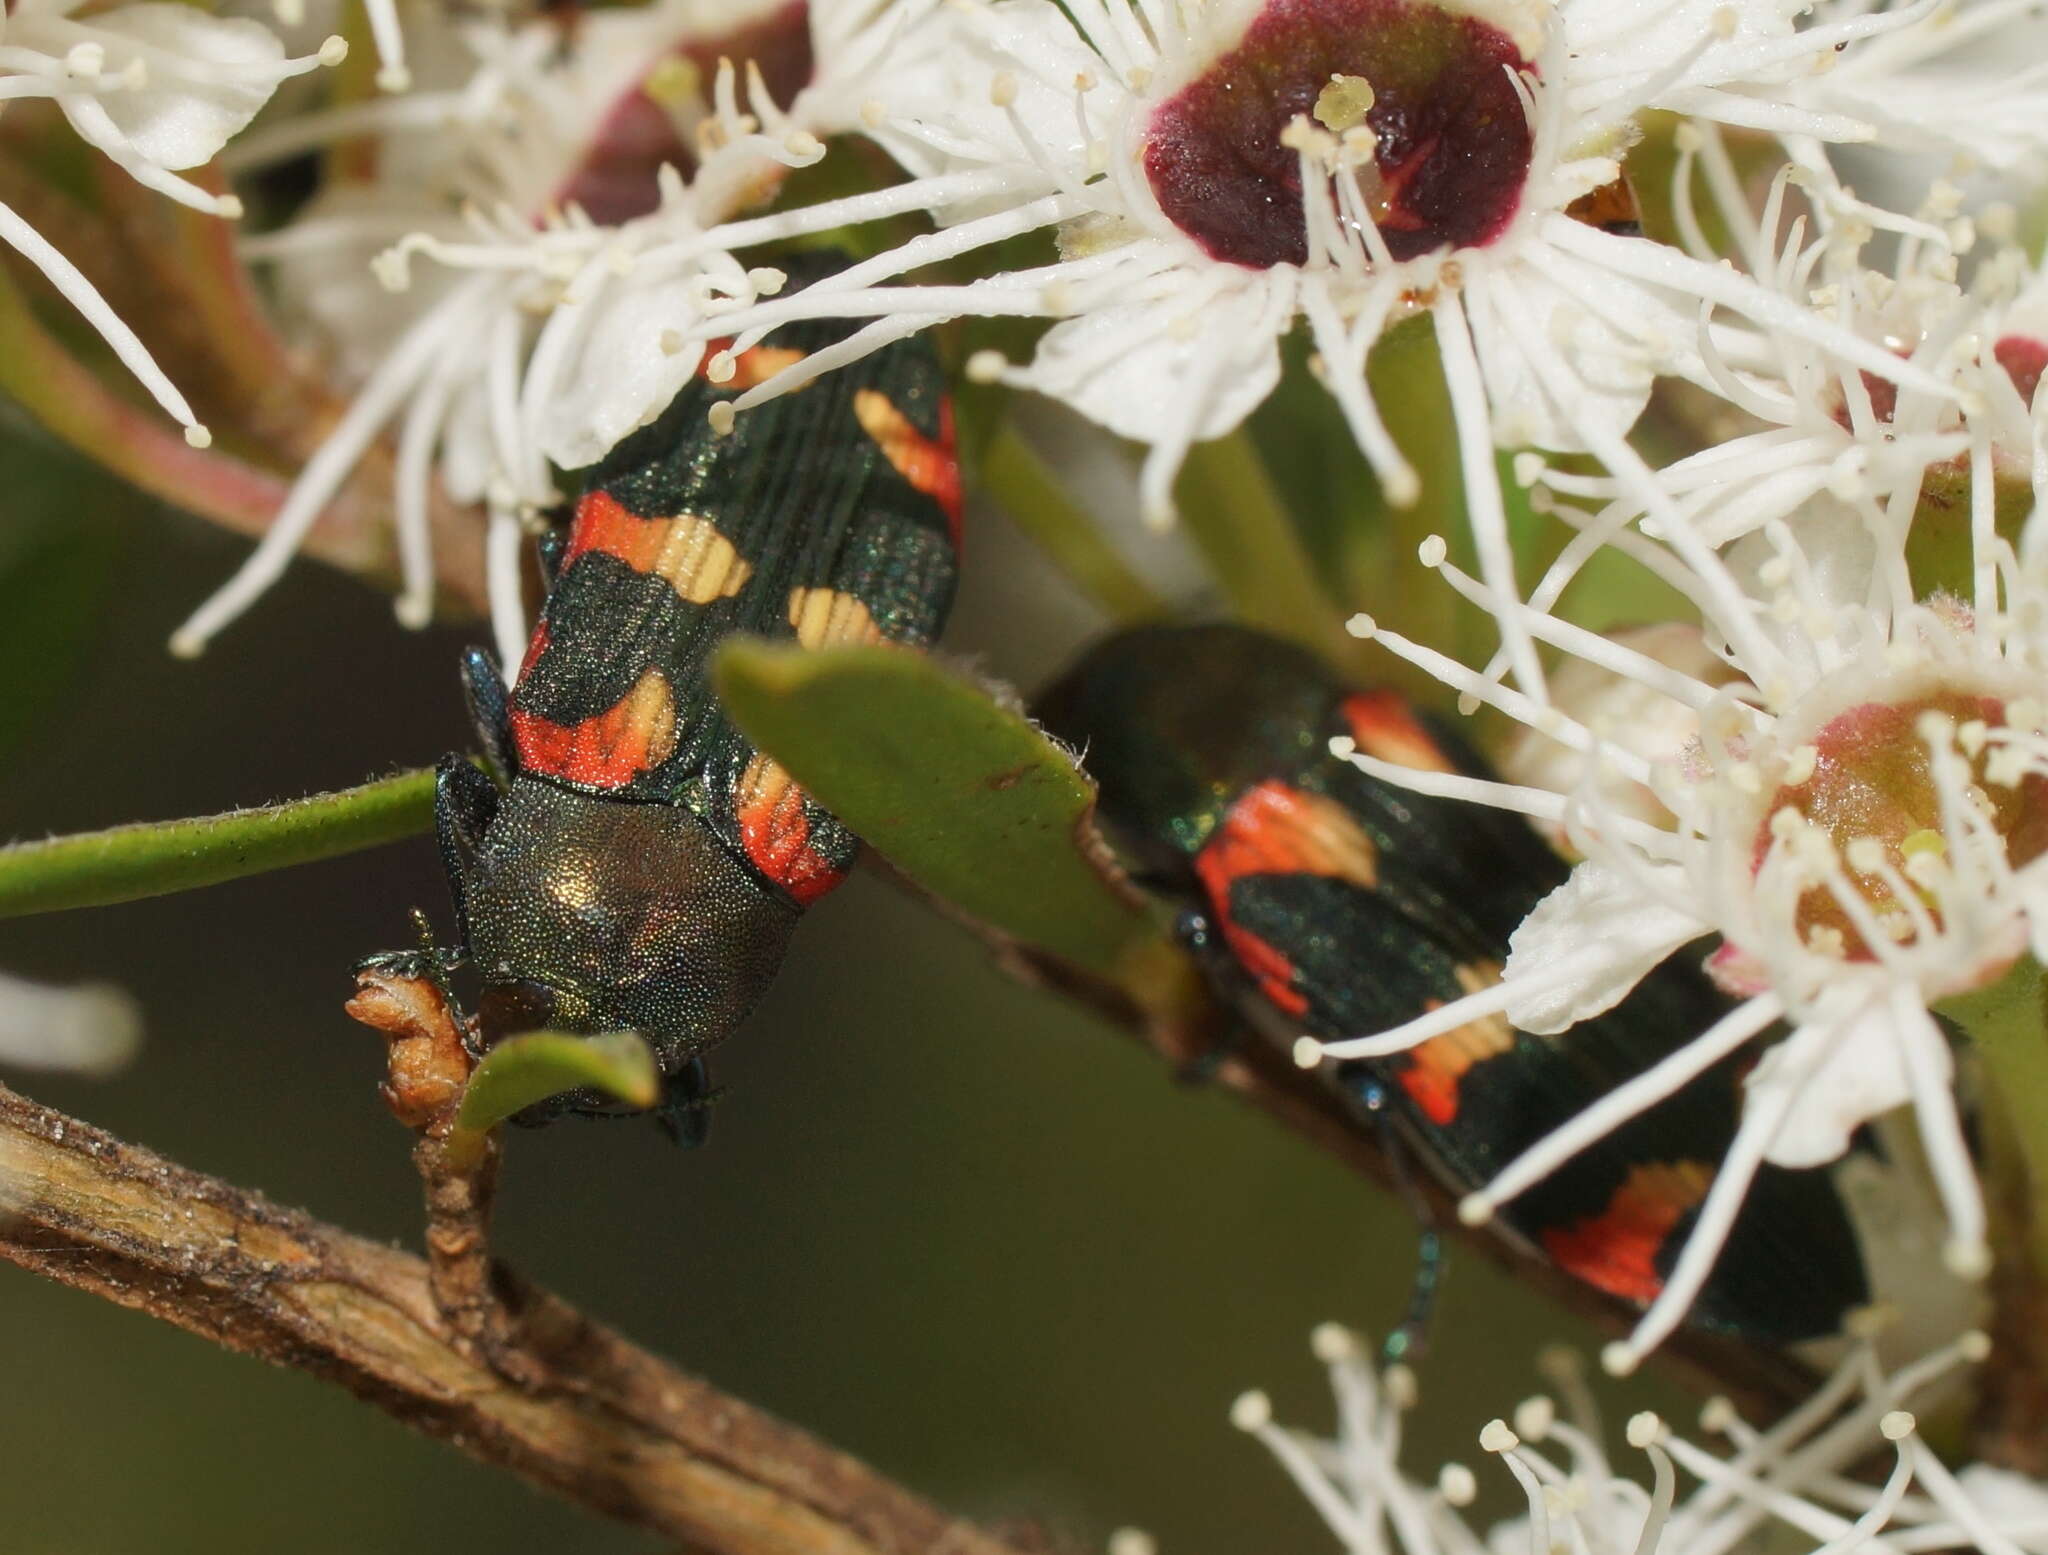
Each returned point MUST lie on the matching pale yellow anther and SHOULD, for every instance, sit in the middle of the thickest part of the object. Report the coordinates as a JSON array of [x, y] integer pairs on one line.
[[1343, 103]]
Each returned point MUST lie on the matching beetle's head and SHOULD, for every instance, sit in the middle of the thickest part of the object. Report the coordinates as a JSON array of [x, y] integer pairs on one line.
[[590, 915]]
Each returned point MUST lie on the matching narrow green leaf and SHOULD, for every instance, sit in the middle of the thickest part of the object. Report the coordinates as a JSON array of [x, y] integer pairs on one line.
[[1026, 488], [154, 858], [966, 797], [523, 1070], [1237, 518]]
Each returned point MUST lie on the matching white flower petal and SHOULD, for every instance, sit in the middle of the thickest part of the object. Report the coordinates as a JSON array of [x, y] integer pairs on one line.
[[1599, 918], [92, 1028], [2009, 1500], [1844, 1065], [188, 111], [634, 356], [1614, 368], [1129, 365]]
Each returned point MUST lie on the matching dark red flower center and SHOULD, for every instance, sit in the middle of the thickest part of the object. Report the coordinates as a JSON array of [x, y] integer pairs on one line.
[[617, 179], [1453, 141]]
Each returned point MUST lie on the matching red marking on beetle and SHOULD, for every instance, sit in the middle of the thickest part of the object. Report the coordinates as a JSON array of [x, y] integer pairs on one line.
[[685, 548], [1384, 727], [926, 462], [1435, 1069], [1273, 829], [1269, 969], [776, 832], [753, 366], [1616, 1250], [603, 523], [1431, 1085], [609, 750]]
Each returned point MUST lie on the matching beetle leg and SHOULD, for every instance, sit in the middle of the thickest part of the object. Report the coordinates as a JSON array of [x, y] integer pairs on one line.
[[550, 548], [490, 714], [464, 803], [1369, 1093], [1197, 936], [686, 1103]]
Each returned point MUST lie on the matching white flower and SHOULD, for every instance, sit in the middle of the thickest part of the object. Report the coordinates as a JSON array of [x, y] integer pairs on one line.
[[521, 282], [90, 1029], [1784, 1489], [1828, 426], [1906, 83], [159, 88], [1214, 173], [1863, 821]]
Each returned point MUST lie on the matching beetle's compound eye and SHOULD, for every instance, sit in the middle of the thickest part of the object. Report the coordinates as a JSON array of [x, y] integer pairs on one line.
[[511, 1008]]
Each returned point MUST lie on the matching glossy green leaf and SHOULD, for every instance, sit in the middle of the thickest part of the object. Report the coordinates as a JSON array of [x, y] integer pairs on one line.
[[965, 797], [523, 1070], [154, 858]]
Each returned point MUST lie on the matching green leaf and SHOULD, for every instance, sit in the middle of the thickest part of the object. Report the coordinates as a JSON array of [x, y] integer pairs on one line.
[[965, 797], [523, 1070], [154, 858], [1237, 518], [1030, 491]]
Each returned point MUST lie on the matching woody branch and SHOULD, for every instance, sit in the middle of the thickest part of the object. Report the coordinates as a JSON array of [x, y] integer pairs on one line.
[[594, 1418]]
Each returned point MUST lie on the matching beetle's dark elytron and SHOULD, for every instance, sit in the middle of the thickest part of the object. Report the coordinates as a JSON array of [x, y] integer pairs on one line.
[[639, 864], [1325, 901]]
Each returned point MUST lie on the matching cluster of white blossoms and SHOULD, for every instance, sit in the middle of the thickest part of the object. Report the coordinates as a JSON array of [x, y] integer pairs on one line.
[[1790, 1487], [1840, 775], [1838, 769]]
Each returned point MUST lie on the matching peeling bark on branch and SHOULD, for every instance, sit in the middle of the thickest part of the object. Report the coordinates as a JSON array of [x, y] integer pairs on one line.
[[606, 1423]]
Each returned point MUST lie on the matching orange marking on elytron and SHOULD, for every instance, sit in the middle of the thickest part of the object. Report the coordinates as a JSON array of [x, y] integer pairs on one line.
[[1437, 1066], [757, 364], [635, 735], [1616, 1250], [1383, 727], [776, 832], [927, 463], [1273, 829], [1276, 830], [824, 616], [699, 563], [1269, 968]]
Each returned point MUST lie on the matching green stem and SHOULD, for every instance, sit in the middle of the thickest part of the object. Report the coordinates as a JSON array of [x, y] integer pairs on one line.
[[155, 858], [1233, 512], [1020, 481], [2008, 1027]]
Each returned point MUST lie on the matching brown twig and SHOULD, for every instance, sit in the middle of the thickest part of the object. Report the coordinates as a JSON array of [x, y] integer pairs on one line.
[[428, 1066], [605, 1423]]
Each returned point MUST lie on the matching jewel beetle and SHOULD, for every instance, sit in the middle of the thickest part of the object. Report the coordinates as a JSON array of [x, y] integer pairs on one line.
[[633, 861], [1322, 900]]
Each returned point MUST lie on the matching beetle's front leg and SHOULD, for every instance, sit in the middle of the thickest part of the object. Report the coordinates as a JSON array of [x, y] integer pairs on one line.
[[465, 801]]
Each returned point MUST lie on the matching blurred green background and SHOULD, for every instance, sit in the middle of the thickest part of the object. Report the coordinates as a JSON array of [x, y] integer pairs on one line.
[[951, 1224]]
